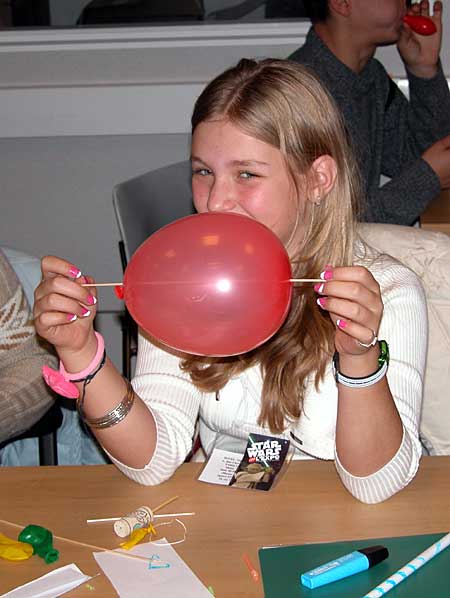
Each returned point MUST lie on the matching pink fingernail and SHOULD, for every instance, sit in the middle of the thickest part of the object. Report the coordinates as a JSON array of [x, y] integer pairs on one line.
[[326, 275], [71, 317], [85, 312], [74, 272], [319, 287], [321, 301], [91, 300], [341, 323]]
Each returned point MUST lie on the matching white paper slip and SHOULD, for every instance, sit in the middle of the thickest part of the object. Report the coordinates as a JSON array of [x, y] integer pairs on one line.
[[220, 467], [165, 575], [52, 584]]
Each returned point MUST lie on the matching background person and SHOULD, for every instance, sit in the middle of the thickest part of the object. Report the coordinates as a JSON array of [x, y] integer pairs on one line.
[[407, 141], [24, 397]]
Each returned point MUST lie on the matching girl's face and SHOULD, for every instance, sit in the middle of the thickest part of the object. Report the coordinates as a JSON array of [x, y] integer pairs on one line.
[[234, 172]]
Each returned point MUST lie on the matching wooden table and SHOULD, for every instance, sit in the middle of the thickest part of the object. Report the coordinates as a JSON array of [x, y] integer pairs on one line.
[[308, 505], [437, 215]]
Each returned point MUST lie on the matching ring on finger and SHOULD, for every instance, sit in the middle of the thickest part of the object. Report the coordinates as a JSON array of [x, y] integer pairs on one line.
[[373, 341]]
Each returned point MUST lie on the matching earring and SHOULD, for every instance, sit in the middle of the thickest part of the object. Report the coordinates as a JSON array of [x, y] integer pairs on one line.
[[317, 200]]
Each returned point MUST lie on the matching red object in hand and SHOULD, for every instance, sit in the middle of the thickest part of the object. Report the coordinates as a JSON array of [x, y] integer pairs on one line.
[[420, 24]]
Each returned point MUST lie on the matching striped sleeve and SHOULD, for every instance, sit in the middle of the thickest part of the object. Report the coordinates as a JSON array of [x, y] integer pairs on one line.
[[405, 327], [174, 403]]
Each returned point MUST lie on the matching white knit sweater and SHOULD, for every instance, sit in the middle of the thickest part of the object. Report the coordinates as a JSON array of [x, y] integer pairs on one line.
[[177, 404]]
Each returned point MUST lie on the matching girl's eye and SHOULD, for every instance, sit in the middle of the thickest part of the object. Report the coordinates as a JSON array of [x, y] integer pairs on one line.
[[201, 171], [246, 175]]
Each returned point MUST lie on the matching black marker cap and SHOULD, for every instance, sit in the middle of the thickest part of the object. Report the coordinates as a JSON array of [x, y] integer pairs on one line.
[[375, 554]]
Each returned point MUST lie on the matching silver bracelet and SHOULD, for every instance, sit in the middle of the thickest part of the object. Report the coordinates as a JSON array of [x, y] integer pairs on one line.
[[114, 416]]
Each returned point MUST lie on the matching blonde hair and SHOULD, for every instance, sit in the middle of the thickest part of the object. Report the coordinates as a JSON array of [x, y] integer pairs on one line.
[[283, 104]]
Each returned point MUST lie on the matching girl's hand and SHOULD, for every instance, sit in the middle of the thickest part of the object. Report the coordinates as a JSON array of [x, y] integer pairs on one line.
[[64, 310], [352, 297], [420, 53]]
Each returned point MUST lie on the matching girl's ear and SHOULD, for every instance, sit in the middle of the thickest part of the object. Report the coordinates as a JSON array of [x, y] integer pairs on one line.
[[322, 176]]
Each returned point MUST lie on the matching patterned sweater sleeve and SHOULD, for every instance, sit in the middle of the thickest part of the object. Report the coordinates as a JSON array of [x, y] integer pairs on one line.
[[405, 327], [24, 397]]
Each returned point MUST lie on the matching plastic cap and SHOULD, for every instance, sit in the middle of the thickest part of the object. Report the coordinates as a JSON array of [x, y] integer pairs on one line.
[[375, 554]]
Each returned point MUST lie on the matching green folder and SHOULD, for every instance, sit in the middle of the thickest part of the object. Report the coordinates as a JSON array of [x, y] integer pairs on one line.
[[281, 567]]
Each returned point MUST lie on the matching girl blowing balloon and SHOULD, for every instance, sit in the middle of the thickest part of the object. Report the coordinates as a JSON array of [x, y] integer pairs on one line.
[[268, 143]]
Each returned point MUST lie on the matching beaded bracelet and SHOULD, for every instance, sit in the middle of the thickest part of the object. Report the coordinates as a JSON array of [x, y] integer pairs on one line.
[[114, 416]]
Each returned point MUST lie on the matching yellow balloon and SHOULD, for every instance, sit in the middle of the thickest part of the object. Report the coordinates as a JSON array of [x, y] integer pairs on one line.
[[13, 550], [136, 536]]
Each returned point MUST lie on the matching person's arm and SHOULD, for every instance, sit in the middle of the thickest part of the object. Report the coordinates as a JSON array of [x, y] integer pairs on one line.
[[416, 142], [64, 314], [371, 461], [414, 156], [405, 197], [377, 425], [174, 404], [411, 127], [24, 397]]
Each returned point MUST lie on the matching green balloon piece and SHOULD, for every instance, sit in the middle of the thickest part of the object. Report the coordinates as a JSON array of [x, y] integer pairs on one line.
[[41, 539]]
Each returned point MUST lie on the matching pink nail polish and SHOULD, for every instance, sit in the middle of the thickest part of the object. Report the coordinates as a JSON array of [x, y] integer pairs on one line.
[[319, 287], [321, 301], [74, 272], [326, 275], [91, 300], [341, 323], [71, 317], [85, 312]]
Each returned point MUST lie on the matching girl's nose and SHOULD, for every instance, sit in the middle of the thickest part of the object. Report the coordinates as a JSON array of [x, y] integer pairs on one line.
[[221, 197]]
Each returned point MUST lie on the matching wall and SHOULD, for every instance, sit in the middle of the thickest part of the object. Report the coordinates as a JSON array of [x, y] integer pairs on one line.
[[81, 110]]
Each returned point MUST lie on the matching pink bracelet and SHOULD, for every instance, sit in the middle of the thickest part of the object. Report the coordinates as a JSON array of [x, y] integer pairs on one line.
[[62, 382]]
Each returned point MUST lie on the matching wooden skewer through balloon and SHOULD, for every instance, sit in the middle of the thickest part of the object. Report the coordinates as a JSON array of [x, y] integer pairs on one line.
[[103, 284], [120, 284]]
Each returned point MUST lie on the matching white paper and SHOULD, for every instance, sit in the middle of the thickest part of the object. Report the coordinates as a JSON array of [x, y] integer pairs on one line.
[[166, 575], [220, 467], [52, 584]]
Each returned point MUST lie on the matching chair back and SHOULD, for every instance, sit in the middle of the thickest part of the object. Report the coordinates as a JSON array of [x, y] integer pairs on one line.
[[145, 203], [427, 253]]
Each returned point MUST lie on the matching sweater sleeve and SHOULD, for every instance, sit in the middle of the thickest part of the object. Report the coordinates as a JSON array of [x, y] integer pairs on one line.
[[409, 128], [405, 197], [405, 327], [24, 397], [174, 403]]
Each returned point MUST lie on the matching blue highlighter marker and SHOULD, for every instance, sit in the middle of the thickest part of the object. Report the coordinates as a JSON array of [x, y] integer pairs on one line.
[[344, 566]]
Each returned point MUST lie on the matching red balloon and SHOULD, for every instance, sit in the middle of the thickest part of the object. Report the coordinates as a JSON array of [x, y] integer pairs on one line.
[[420, 24], [210, 284]]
